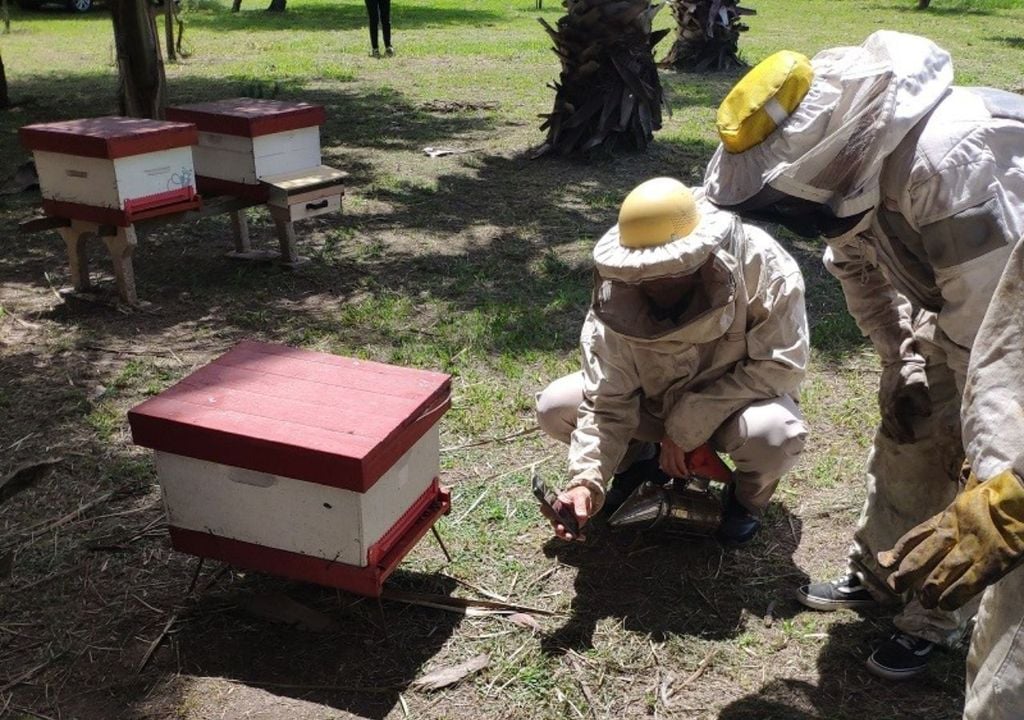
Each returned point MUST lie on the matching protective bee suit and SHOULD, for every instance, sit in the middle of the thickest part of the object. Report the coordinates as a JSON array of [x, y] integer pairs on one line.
[[918, 188], [725, 367], [978, 541]]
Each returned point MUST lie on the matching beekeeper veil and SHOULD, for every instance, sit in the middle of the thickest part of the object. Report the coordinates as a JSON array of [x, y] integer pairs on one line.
[[805, 139]]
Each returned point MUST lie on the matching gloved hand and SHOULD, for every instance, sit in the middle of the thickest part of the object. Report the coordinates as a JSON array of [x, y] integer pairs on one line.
[[968, 546], [902, 397]]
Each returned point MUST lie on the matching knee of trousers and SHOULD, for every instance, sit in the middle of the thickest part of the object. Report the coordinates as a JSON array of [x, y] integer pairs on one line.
[[557, 407], [770, 449]]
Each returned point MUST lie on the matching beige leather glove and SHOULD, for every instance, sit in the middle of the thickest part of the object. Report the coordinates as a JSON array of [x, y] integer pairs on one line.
[[968, 546]]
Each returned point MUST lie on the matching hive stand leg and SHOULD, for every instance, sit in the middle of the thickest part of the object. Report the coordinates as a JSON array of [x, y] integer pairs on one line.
[[243, 246], [240, 228], [286, 237], [122, 247], [75, 237], [437, 536]]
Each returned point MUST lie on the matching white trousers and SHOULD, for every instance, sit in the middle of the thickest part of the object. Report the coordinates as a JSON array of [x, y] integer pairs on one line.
[[764, 439], [907, 483], [995, 663]]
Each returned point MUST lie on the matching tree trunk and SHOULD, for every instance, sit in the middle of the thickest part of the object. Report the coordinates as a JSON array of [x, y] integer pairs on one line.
[[5, 100], [608, 91], [143, 85], [923, 4], [236, 5], [277, 5], [707, 35], [169, 29]]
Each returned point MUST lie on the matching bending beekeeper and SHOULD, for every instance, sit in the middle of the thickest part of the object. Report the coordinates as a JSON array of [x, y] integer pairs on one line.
[[978, 541], [696, 333], [917, 187]]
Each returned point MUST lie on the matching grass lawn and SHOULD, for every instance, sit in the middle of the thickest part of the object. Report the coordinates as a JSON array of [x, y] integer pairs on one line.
[[476, 264]]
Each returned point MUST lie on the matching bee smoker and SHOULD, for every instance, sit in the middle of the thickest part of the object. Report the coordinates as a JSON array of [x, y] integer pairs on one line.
[[682, 507]]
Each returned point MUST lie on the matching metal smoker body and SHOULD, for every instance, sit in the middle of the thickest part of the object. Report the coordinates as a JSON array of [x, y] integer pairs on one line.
[[682, 507]]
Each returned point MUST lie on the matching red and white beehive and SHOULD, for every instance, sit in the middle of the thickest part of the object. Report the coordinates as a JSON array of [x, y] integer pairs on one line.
[[243, 141], [113, 170], [298, 463]]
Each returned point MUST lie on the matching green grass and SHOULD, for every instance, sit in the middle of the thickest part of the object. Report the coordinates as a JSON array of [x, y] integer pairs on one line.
[[477, 265]]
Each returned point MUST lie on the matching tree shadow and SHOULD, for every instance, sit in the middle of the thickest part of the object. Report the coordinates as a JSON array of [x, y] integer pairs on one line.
[[340, 16], [963, 7], [847, 691], [360, 665], [1017, 43], [680, 587]]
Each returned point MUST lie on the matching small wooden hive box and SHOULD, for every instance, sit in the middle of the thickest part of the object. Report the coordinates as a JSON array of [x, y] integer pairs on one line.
[[242, 141], [113, 170], [298, 463]]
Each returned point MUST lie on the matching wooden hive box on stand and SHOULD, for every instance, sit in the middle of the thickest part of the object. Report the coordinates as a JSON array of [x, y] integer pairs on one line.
[[297, 463], [113, 170], [245, 141]]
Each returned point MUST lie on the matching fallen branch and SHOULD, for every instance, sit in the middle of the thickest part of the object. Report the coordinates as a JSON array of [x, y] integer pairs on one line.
[[571, 657], [488, 441], [457, 604], [27, 675], [47, 525], [33, 713], [153, 645], [700, 668]]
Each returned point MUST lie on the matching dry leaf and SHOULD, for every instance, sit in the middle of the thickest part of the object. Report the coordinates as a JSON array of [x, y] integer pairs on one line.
[[281, 608], [444, 677], [525, 620]]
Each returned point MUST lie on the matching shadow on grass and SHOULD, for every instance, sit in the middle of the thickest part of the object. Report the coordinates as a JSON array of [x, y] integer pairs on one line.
[[340, 16], [962, 7], [1017, 43], [846, 691], [361, 665], [679, 587], [376, 119]]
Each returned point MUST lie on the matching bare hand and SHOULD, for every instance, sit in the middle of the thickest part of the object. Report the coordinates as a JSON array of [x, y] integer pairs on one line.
[[672, 459], [581, 502]]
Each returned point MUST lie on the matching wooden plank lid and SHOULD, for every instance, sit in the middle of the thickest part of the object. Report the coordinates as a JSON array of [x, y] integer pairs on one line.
[[108, 137], [321, 177], [296, 413], [249, 117]]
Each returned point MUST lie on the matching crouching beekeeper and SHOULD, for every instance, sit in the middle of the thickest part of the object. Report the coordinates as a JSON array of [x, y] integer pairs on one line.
[[696, 333]]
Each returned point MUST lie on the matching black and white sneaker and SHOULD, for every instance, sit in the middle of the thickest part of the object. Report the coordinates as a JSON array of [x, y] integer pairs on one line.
[[900, 657], [846, 592]]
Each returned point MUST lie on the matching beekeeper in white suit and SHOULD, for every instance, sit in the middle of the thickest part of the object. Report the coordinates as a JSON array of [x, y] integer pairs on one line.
[[696, 333], [918, 188], [978, 541]]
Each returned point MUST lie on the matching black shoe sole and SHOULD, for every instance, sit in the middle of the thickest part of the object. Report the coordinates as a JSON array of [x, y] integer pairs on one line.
[[889, 673], [826, 605]]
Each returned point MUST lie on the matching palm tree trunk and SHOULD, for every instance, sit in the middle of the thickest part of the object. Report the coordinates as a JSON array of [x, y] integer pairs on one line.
[[707, 35], [608, 92]]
